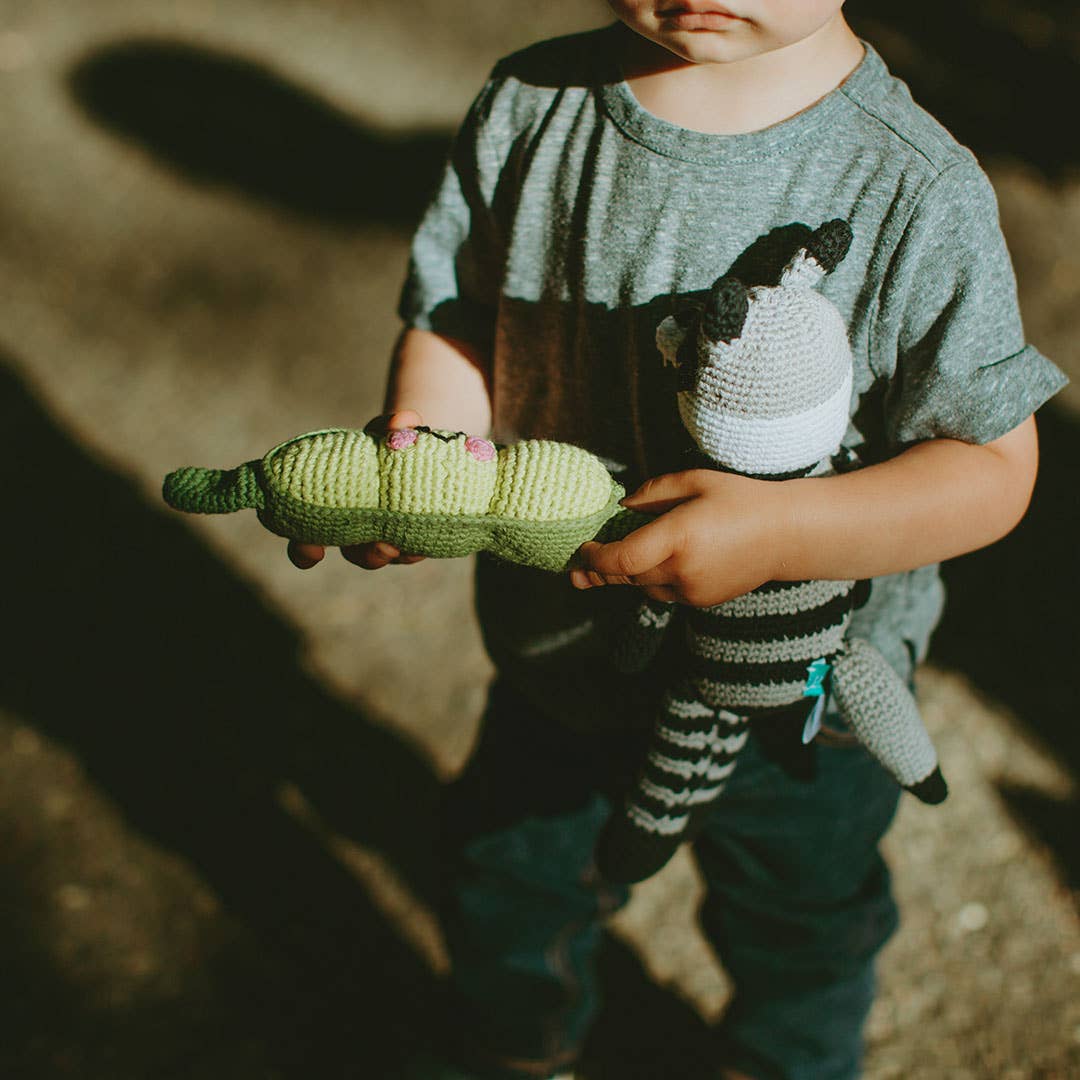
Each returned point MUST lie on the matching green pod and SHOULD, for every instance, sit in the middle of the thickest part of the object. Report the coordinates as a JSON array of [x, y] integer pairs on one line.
[[436, 493]]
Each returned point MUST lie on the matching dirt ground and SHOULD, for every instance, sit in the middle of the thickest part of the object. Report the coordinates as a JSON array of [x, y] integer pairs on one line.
[[218, 775]]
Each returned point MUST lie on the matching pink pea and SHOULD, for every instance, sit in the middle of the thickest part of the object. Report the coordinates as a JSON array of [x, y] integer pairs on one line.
[[401, 440], [480, 449]]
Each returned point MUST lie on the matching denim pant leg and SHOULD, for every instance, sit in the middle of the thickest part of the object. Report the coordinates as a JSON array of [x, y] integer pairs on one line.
[[797, 907], [522, 917]]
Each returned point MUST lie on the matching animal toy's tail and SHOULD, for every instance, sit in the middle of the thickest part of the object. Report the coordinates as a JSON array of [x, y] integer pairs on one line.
[[882, 712], [214, 491]]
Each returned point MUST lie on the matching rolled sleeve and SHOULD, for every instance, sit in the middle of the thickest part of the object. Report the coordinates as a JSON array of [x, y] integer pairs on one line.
[[980, 404], [949, 341]]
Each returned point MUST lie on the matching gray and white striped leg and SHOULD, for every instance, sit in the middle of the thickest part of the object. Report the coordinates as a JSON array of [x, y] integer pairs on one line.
[[691, 755]]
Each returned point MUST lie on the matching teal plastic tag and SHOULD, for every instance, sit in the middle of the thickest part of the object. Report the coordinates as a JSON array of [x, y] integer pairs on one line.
[[816, 674], [813, 721], [815, 679]]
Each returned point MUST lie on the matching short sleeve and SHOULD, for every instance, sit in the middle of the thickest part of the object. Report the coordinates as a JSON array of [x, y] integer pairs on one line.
[[452, 283], [948, 339]]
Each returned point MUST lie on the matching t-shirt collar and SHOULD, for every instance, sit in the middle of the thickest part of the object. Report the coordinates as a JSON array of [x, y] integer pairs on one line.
[[671, 140]]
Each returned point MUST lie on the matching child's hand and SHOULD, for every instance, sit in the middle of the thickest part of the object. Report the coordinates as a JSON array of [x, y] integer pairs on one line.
[[719, 535], [369, 556]]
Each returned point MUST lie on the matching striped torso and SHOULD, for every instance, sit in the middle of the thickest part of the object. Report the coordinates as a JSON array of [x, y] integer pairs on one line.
[[752, 654]]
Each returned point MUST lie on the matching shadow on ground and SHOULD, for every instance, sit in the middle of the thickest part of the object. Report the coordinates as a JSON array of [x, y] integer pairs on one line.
[[644, 1032], [181, 693], [181, 696], [1011, 626], [220, 119], [995, 74]]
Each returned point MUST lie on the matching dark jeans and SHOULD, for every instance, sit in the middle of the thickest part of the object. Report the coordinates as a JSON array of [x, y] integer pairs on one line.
[[798, 899]]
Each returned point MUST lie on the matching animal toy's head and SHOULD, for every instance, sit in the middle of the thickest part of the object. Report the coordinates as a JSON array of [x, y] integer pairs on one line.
[[766, 372]]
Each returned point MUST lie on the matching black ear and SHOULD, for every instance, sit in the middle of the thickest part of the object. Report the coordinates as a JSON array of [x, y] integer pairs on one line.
[[725, 310], [686, 357], [829, 244]]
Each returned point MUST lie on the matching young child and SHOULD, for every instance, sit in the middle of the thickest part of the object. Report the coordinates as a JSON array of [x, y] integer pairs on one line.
[[597, 182]]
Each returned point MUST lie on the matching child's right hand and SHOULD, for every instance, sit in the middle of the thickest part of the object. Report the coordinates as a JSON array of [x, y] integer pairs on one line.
[[372, 556]]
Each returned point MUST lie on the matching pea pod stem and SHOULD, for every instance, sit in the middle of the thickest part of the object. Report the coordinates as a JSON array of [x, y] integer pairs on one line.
[[214, 491]]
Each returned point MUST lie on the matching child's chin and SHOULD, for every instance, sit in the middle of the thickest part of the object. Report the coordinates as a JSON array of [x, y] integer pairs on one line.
[[711, 47]]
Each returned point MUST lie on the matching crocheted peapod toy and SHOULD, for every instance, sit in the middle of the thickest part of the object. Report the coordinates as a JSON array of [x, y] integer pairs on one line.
[[765, 376], [438, 493]]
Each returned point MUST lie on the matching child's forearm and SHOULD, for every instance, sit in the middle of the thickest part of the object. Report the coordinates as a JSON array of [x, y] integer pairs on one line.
[[936, 500], [444, 380], [720, 535]]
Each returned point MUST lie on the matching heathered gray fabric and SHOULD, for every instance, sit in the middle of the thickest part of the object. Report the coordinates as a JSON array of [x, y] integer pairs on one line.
[[570, 222]]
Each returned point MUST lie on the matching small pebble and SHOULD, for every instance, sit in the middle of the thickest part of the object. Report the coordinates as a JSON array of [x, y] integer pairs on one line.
[[972, 917]]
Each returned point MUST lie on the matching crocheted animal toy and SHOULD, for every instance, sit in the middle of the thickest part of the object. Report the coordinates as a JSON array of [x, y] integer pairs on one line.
[[438, 493], [766, 377]]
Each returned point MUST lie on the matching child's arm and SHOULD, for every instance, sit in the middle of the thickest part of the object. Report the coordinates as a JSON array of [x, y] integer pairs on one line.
[[433, 380], [443, 379], [721, 535]]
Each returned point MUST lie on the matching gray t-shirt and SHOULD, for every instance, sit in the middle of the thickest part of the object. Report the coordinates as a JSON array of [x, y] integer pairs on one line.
[[570, 222]]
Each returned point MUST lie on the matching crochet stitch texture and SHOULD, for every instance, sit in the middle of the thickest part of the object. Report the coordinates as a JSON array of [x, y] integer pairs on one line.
[[443, 494], [766, 379]]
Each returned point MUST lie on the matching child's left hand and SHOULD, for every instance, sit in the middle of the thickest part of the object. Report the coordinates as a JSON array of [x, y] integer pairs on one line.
[[718, 535]]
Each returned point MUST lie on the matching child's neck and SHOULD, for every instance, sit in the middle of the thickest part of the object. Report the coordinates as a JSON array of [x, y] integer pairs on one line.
[[744, 95]]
